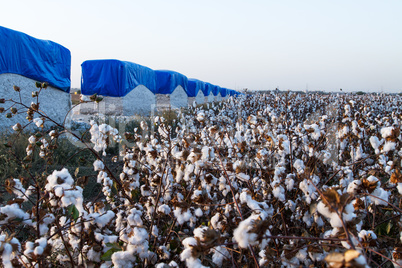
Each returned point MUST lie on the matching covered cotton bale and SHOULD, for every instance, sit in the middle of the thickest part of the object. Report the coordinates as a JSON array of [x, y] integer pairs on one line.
[[209, 97], [223, 93], [26, 60], [128, 88], [215, 93], [171, 89], [195, 91]]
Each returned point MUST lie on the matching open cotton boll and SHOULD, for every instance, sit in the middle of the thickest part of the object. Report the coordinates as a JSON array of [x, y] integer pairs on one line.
[[182, 216], [299, 166], [12, 212], [38, 122], [242, 235], [165, 209], [18, 189], [333, 217], [220, 253], [104, 219], [123, 259], [389, 146], [375, 143], [98, 165], [382, 196], [386, 132], [6, 255]]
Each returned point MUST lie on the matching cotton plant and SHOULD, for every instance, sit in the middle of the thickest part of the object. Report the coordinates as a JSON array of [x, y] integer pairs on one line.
[[224, 185]]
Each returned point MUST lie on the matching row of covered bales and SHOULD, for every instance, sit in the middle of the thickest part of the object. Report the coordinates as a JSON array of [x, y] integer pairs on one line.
[[128, 88]]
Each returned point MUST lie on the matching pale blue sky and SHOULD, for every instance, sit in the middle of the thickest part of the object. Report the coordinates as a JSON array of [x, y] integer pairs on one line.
[[258, 44]]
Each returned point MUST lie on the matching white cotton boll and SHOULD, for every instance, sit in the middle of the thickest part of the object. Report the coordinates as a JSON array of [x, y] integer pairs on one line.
[[201, 116], [220, 253], [98, 165], [17, 127], [42, 242], [366, 235], [93, 255], [199, 232], [290, 205], [375, 143], [38, 122], [289, 182], [243, 177], [6, 256], [104, 219], [241, 234], [173, 264], [38, 250], [243, 197], [386, 132], [399, 187], [198, 212], [165, 209], [181, 216], [85, 98], [279, 193], [13, 211], [360, 260], [58, 191], [215, 221], [301, 255], [353, 186], [380, 193], [123, 259], [389, 146], [155, 231], [32, 139], [189, 241], [18, 189]]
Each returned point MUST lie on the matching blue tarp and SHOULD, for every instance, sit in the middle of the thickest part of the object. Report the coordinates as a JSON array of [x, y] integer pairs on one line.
[[194, 86], [224, 92], [115, 78], [41, 60], [215, 90], [208, 89], [167, 81]]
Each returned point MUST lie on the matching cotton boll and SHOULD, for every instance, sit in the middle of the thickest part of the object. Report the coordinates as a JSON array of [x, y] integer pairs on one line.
[[164, 209], [98, 165], [241, 233], [386, 132], [388, 146], [220, 253], [375, 143], [279, 193], [155, 231], [104, 219], [399, 187], [198, 212], [380, 193], [123, 259], [38, 250]]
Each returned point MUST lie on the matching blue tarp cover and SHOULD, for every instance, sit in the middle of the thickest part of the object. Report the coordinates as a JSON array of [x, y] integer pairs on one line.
[[224, 92], [194, 86], [41, 60], [208, 89], [215, 90], [167, 81], [115, 78]]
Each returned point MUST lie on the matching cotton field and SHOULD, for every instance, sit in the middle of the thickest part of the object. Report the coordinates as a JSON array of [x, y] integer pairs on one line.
[[262, 180]]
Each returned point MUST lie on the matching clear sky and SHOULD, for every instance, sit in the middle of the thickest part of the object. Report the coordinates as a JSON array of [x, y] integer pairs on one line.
[[255, 44]]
